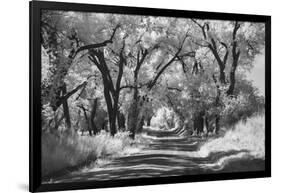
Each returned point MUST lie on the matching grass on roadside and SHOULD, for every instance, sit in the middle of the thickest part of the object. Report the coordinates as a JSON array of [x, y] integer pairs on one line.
[[61, 152], [246, 135]]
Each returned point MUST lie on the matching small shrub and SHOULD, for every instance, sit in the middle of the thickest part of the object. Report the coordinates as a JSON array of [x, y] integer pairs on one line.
[[240, 107]]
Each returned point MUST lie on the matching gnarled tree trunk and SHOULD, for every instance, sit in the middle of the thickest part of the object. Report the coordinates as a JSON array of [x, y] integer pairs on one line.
[[121, 120], [66, 110], [235, 58], [133, 114], [92, 116], [198, 122], [148, 120]]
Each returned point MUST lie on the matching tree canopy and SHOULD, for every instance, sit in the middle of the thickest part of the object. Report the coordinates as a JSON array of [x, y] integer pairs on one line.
[[126, 67]]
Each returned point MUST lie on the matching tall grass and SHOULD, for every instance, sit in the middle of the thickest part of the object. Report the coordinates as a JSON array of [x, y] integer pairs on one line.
[[246, 135], [61, 152]]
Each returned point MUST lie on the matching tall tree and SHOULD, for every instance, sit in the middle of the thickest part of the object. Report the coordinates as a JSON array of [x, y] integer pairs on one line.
[[225, 36], [53, 39]]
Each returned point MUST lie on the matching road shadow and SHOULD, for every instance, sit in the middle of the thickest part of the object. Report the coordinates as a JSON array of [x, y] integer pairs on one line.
[[166, 155]]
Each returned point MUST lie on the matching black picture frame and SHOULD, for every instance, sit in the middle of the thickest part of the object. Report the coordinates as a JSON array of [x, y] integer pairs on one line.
[[35, 7]]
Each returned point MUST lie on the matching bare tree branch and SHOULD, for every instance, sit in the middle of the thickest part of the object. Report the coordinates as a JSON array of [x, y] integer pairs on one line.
[[132, 86], [202, 27], [98, 45], [174, 88]]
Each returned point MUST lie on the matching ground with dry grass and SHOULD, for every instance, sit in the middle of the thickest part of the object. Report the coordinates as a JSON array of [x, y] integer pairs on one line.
[[159, 153]]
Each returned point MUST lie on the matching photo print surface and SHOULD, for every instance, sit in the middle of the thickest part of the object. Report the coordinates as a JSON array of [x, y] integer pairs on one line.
[[129, 96]]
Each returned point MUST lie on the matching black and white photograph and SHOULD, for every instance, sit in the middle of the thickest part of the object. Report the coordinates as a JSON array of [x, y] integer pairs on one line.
[[127, 96], [140, 96], [130, 96]]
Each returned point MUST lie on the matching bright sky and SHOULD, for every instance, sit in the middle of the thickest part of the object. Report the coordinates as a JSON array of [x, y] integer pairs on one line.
[[258, 72]]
